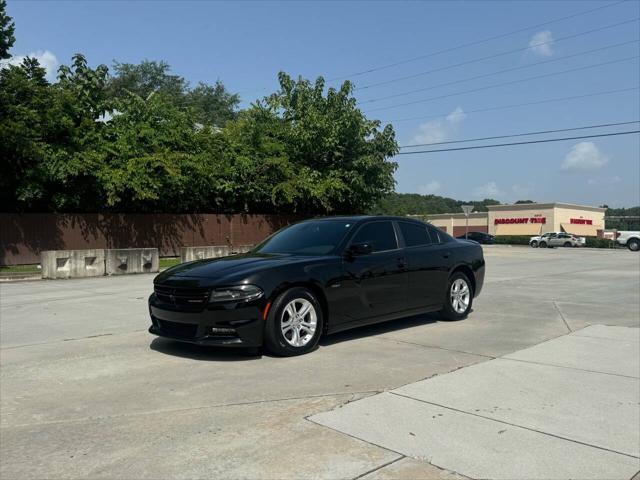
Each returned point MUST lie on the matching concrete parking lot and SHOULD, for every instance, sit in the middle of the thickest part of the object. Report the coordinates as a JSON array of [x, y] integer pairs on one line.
[[86, 392]]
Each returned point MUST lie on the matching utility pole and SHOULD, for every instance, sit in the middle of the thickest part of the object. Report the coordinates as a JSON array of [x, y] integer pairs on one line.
[[467, 209]]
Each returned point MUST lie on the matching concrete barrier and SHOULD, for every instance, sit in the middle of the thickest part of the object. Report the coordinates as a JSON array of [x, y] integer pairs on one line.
[[189, 254], [131, 260], [242, 248], [72, 263]]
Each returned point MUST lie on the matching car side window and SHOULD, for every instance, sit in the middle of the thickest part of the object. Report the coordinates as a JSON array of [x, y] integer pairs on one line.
[[414, 234], [434, 233], [381, 235]]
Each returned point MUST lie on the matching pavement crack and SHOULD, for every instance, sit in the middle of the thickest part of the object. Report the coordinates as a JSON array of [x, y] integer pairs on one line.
[[513, 424], [567, 367], [389, 339], [379, 467], [186, 409], [555, 305]]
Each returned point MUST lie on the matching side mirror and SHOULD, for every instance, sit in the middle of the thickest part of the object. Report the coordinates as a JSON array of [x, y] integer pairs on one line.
[[360, 249]]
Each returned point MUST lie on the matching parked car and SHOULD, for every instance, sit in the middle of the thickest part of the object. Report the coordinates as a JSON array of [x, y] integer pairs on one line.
[[555, 239], [535, 241], [318, 277], [629, 239], [480, 237]]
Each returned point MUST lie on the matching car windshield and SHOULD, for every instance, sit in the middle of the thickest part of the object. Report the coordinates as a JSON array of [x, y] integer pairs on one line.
[[315, 237]]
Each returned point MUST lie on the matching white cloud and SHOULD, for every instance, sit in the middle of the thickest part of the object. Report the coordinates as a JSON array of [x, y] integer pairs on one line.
[[440, 129], [430, 188], [456, 116], [46, 59], [521, 191], [489, 189], [542, 44], [584, 156]]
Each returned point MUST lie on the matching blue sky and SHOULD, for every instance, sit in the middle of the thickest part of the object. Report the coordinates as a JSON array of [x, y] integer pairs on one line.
[[245, 44]]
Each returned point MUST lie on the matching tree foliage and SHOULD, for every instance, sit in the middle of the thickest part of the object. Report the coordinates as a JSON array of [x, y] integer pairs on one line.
[[415, 204], [143, 141], [7, 30]]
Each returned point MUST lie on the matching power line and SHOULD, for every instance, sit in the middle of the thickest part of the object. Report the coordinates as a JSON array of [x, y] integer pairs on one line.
[[520, 143], [540, 132], [476, 42], [512, 82], [498, 72], [489, 57], [516, 105]]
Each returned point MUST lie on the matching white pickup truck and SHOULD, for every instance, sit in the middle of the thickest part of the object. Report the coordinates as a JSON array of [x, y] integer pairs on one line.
[[629, 239]]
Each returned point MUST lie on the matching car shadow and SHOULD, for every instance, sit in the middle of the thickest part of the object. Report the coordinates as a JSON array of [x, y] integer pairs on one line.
[[201, 352]]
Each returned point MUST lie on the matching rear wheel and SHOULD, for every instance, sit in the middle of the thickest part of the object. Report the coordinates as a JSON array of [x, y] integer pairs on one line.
[[543, 244], [634, 245], [294, 324], [459, 297], [567, 244], [534, 244]]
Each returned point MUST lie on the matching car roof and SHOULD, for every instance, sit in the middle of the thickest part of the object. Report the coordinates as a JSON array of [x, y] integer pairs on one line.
[[363, 218]]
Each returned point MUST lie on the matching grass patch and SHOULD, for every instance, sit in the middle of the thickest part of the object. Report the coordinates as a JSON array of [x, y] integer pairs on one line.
[[169, 262], [9, 269]]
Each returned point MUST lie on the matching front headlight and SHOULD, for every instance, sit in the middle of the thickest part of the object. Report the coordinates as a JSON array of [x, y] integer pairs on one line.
[[235, 294]]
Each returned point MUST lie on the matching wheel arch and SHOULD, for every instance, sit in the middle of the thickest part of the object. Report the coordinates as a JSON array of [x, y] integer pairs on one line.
[[315, 289], [468, 272]]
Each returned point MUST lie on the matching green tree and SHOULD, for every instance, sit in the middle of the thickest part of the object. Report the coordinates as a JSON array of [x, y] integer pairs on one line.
[[7, 30], [212, 105], [338, 158], [26, 124], [146, 78]]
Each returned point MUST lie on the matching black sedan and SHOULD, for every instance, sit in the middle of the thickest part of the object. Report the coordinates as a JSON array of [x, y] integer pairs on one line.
[[480, 237], [317, 277]]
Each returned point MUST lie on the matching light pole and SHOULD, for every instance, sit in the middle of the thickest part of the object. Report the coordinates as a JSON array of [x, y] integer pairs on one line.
[[467, 209]]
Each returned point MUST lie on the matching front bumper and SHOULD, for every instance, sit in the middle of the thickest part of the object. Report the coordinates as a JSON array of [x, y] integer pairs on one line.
[[196, 326]]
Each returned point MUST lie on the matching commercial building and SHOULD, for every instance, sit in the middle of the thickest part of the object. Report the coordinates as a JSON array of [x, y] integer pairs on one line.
[[525, 219]]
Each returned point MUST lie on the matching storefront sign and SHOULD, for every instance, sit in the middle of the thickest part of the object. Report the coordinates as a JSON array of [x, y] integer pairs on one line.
[[502, 221], [581, 221]]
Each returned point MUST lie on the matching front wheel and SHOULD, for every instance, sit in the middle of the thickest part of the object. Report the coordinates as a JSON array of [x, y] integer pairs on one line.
[[459, 297], [534, 244], [634, 245], [294, 323]]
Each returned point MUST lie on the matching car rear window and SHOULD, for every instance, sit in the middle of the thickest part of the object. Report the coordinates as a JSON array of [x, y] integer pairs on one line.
[[381, 235], [414, 234]]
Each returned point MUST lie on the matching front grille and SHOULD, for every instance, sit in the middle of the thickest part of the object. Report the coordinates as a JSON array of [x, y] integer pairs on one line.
[[182, 298], [181, 330]]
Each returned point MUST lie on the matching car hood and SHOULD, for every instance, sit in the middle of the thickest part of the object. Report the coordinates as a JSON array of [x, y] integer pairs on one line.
[[236, 265]]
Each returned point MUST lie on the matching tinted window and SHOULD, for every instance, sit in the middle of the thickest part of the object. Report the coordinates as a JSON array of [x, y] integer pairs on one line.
[[380, 235], [309, 238], [439, 236], [414, 234]]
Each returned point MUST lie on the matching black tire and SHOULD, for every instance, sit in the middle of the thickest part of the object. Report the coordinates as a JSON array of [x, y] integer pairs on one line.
[[448, 312], [567, 244], [275, 340], [542, 244], [633, 245], [534, 244]]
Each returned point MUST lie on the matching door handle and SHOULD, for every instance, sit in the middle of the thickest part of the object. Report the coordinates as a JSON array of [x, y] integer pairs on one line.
[[446, 254]]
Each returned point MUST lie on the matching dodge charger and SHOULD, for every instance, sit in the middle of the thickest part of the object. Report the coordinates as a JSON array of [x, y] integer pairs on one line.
[[315, 278]]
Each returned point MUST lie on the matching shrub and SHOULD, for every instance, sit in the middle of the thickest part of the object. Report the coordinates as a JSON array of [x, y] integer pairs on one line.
[[595, 242], [513, 240]]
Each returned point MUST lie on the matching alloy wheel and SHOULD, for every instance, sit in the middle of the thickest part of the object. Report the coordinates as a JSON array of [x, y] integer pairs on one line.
[[460, 295], [298, 322]]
